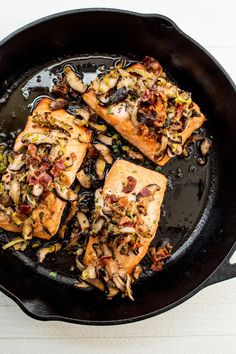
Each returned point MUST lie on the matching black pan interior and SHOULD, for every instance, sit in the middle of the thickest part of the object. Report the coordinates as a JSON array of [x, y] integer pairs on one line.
[[198, 213]]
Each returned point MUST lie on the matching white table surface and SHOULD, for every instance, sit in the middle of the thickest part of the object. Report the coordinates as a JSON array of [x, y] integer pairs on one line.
[[207, 322]]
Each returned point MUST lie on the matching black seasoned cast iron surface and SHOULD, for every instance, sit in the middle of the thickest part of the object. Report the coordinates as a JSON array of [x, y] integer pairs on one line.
[[199, 207]]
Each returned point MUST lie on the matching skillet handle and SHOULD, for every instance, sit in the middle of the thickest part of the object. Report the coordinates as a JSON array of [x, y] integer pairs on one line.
[[225, 271]]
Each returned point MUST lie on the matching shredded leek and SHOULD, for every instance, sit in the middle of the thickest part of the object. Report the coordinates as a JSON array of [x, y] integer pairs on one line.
[[13, 242]]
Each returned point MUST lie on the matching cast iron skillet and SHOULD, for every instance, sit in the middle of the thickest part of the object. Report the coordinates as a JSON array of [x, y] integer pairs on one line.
[[203, 257]]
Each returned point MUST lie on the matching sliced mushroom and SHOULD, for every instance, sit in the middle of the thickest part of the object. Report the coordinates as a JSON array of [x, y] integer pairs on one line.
[[118, 96], [17, 163], [42, 252], [27, 229], [107, 140], [128, 287], [137, 271], [133, 154], [89, 273], [65, 193], [174, 149], [107, 83], [97, 248], [72, 212], [15, 191], [127, 81], [84, 179], [97, 283], [81, 285], [98, 225], [119, 282], [83, 221], [79, 265], [74, 81], [127, 230], [105, 152], [37, 139], [205, 147], [37, 190], [100, 168], [58, 103], [62, 231], [112, 291], [55, 153], [84, 113]]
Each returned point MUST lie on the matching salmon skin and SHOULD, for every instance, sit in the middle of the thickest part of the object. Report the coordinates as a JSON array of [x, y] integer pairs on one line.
[[46, 164], [128, 208], [146, 108]]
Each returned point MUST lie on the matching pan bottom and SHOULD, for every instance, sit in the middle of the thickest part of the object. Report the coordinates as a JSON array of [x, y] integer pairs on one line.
[[188, 193]]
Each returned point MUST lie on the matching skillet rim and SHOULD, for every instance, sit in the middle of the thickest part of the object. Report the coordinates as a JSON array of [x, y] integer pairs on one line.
[[206, 282]]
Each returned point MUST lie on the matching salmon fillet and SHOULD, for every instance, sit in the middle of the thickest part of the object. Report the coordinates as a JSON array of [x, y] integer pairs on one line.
[[140, 181], [47, 215], [144, 126]]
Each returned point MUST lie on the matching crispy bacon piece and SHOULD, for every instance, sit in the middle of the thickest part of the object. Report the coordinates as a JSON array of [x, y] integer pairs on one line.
[[45, 179], [144, 192], [24, 209], [130, 185]]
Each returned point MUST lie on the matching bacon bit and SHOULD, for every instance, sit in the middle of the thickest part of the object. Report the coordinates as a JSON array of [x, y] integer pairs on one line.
[[45, 179], [152, 65], [24, 209], [179, 111], [130, 185], [123, 202], [146, 94], [32, 160], [58, 168], [160, 256], [126, 221], [32, 150], [44, 167], [112, 198], [144, 192], [149, 96], [92, 152], [33, 180], [55, 171], [60, 164]]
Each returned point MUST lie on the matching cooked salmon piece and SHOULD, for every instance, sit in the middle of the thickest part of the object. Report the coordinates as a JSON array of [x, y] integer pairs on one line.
[[57, 127], [148, 110], [129, 204]]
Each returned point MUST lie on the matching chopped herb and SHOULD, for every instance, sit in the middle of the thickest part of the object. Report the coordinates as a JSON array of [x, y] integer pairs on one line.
[[155, 222], [115, 148], [123, 183], [158, 169], [53, 274]]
